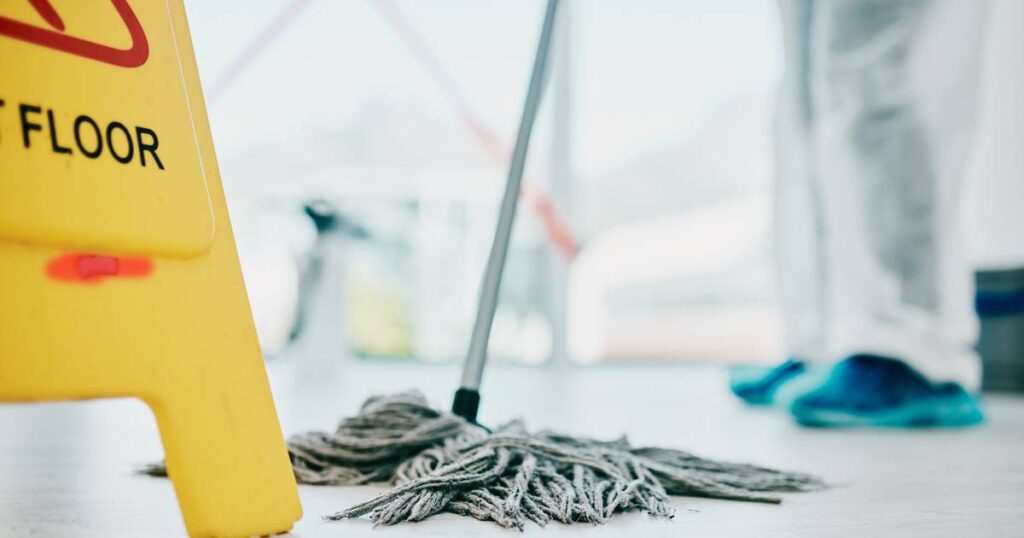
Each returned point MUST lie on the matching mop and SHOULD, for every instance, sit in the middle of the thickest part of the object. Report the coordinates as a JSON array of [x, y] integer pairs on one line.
[[440, 462], [446, 462]]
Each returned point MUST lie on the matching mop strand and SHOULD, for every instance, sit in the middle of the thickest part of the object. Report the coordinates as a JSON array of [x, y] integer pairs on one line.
[[439, 462]]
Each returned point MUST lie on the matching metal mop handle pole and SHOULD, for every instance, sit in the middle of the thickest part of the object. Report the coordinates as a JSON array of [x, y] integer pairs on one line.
[[467, 398]]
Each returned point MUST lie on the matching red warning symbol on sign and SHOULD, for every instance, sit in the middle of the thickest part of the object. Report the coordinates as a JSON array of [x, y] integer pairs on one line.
[[55, 38]]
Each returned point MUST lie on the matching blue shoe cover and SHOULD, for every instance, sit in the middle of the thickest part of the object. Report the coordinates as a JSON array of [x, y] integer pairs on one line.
[[758, 385], [868, 390]]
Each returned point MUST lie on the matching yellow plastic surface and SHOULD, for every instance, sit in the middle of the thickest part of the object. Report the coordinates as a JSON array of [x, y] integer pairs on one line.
[[67, 119], [179, 337]]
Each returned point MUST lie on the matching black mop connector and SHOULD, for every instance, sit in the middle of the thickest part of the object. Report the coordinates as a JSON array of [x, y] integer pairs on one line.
[[466, 404]]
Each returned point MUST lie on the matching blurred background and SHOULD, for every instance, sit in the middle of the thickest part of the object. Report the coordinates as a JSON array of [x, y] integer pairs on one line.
[[363, 146]]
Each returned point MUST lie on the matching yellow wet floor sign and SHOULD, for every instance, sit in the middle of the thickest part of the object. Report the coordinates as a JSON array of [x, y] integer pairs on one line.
[[118, 271]]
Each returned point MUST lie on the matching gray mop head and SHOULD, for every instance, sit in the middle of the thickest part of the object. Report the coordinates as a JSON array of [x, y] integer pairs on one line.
[[438, 463]]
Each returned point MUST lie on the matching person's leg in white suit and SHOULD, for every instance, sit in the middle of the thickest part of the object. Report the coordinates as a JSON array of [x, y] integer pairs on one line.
[[875, 118]]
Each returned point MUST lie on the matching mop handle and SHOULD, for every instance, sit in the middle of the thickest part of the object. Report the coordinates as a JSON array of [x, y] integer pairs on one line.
[[467, 398]]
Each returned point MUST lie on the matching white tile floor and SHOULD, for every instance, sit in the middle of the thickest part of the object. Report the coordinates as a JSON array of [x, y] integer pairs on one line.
[[65, 468]]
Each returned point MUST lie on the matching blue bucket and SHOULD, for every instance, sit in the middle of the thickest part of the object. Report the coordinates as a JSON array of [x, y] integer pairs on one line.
[[999, 301]]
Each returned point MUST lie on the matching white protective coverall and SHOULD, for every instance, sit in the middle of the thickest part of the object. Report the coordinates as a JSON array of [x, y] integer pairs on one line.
[[875, 120]]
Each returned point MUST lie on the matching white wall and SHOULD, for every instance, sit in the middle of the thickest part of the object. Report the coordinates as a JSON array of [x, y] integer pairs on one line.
[[995, 187]]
